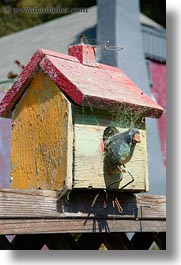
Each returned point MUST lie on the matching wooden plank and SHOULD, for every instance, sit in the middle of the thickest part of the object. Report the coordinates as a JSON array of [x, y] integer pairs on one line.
[[90, 167], [19, 203], [39, 203], [90, 172], [34, 226], [148, 204], [36, 211], [41, 153], [151, 226]]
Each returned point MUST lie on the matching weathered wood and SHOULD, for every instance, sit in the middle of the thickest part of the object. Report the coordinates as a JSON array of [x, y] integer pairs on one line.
[[18, 88], [104, 86], [86, 54], [37, 204], [148, 203], [90, 167], [89, 163], [41, 153], [77, 225], [25, 211], [40, 102]]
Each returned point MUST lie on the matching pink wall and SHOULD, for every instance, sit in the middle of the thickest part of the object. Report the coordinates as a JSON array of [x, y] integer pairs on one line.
[[158, 89], [5, 140]]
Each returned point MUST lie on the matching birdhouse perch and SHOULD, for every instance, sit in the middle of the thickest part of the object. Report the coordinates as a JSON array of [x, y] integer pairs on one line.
[[61, 106]]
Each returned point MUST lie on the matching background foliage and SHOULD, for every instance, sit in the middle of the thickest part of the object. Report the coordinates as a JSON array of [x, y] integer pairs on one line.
[[12, 22]]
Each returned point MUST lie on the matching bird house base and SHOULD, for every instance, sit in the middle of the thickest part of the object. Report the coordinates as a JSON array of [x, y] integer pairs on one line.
[[33, 212]]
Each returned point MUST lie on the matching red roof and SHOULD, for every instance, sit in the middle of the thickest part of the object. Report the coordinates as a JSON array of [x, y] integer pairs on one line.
[[83, 81]]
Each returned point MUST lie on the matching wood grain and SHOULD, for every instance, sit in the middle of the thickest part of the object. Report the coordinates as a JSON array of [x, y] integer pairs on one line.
[[86, 54], [19, 86], [90, 168], [31, 226], [101, 85], [25, 211], [41, 153]]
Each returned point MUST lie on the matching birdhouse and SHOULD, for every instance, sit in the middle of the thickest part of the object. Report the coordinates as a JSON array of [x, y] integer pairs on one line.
[[77, 124]]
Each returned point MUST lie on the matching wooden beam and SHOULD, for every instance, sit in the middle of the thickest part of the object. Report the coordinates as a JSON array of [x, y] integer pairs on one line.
[[63, 225], [45, 203], [38, 212]]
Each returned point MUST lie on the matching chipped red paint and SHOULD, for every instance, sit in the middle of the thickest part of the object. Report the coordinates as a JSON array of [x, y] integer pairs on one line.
[[17, 88], [102, 146], [100, 85], [117, 105], [108, 67], [59, 55], [158, 76], [60, 79], [86, 54]]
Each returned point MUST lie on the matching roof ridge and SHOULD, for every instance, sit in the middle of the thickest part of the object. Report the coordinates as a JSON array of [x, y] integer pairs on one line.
[[59, 55], [81, 83]]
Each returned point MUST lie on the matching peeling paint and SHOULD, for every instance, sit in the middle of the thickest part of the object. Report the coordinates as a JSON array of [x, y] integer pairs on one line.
[[102, 85], [39, 137]]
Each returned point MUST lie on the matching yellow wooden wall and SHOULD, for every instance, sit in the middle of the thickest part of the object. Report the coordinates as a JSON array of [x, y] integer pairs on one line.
[[41, 155]]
